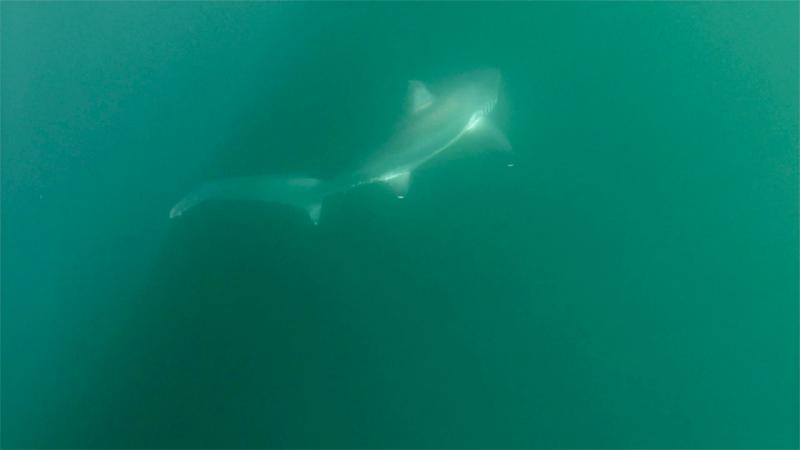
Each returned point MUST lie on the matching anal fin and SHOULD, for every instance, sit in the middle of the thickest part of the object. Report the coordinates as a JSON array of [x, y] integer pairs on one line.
[[314, 212]]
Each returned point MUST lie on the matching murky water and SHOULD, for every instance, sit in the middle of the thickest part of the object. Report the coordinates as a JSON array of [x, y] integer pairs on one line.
[[631, 282]]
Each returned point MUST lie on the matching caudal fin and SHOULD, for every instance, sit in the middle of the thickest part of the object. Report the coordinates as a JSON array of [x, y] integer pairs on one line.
[[301, 192]]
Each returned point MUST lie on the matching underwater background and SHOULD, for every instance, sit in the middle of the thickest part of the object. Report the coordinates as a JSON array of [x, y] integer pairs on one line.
[[631, 283]]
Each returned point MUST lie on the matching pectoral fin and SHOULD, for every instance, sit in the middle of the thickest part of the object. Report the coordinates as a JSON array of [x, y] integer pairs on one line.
[[493, 136], [399, 183]]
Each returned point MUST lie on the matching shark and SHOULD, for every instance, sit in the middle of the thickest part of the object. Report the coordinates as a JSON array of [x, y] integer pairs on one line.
[[435, 121]]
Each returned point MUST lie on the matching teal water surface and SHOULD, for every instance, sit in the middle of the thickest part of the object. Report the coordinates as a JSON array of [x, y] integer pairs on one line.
[[631, 283]]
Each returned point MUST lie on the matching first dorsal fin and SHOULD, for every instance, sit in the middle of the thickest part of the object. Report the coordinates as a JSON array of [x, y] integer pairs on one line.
[[419, 97]]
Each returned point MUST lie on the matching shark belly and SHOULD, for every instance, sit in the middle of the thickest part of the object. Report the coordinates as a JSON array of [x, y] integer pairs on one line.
[[409, 150]]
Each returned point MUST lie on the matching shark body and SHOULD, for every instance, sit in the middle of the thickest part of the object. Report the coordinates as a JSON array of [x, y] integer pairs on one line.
[[433, 124]]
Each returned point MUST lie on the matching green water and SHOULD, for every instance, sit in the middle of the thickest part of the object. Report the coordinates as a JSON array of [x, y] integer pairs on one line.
[[631, 283]]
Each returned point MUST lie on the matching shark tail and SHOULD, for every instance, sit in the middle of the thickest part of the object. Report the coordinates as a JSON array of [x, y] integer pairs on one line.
[[302, 192]]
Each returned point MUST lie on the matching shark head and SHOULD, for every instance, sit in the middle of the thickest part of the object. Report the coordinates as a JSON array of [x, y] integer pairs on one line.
[[476, 94]]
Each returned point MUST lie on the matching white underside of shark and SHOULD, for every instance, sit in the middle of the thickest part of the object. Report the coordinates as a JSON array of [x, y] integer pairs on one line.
[[434, 124]]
